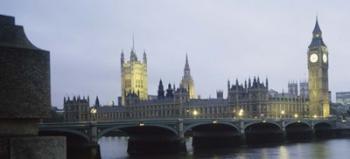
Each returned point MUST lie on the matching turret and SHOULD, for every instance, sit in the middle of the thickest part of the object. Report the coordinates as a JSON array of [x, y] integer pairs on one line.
[[228, 85], [97, 102], [169, 92], [160, 90], [144, 57], [122, 58], [249, 83]]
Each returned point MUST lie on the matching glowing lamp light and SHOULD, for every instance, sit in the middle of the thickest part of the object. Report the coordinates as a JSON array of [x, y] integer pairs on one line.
[[240, 113], [93, 111], [195, 113], [315, 116], [283, 112], [141, 124], [296, 115], [215, 121]]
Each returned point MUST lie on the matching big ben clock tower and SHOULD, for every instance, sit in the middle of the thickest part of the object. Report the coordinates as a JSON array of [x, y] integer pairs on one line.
[[318, 75]]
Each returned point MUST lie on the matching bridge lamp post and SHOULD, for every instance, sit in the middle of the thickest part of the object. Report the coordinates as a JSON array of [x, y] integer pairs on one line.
[[282, 113], [195, 113], [93, 112], [296, 115], [241, 113], [315, 116]]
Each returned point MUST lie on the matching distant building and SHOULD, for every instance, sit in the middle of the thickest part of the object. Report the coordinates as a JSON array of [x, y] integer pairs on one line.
[[293, 89], [187, 81], [76, 109], [304, 89], [343, 98], [249, 99], [134, 76]]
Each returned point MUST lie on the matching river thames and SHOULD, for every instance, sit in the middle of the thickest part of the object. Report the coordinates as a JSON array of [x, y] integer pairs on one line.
[[116, 148]]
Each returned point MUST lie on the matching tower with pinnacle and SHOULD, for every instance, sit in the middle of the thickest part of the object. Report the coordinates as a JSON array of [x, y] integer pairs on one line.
[[318, 75], [187, 81], [134, 76]]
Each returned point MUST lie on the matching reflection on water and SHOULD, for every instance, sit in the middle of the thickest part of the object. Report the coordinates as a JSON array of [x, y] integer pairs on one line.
[[116, 147]]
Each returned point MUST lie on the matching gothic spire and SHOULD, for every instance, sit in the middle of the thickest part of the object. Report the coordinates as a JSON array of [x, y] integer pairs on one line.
[[317, 29], [144, 57], [187, 68], [160, 90], [317, 40], [122, 57], [133, 56], [97, 102]]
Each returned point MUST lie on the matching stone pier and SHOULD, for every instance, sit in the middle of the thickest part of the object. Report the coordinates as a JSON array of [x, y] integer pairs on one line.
[[24, 97]]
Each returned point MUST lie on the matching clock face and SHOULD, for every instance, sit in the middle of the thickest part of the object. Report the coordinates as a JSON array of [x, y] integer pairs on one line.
[[313, 58], [324, 58]]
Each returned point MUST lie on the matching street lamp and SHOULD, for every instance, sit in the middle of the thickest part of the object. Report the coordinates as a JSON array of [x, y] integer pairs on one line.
[[296, 115], [195, 113], [315, 116], [282, 113], [240, 113], [93, 112]]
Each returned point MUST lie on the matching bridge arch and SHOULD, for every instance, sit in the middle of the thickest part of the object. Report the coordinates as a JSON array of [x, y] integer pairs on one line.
[[298, 122], [68, 131], [302, 124], [187, 128], [322, 123], [118, 127], [263, 123]]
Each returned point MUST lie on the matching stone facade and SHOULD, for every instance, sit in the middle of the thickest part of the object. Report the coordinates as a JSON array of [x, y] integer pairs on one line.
[[76, 109], [134, 76]]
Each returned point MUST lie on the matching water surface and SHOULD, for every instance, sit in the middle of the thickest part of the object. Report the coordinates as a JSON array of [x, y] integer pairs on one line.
[[116, 148]]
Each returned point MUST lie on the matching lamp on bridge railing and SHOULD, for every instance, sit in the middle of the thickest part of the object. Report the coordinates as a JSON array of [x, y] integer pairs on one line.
[[282, 113], [315, 116], [195, 113], [93, 112], [241, 113], [296, 115], [141, 124]]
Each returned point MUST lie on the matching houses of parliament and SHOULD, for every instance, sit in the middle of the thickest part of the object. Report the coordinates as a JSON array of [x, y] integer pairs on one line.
[[251, 98]]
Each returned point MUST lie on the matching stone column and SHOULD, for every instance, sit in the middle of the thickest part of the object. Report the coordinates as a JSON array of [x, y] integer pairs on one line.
[[242, 131], [181, 128], [24, 97]]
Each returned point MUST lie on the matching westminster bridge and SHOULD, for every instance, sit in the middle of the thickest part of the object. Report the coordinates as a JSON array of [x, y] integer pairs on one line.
[[168, 134]]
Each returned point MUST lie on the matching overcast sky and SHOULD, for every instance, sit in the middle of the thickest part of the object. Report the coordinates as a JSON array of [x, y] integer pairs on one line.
[[224, 40]]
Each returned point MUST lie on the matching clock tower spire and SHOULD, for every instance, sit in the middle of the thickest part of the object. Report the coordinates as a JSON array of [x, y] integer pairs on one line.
[[318, 75]]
